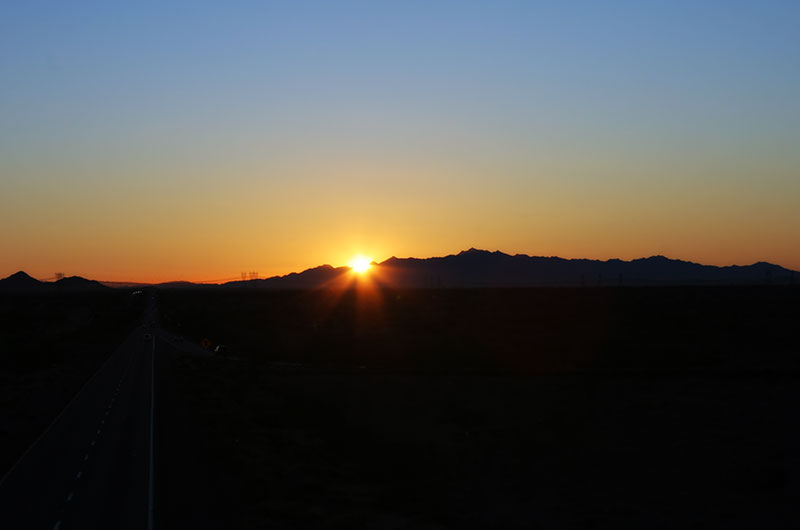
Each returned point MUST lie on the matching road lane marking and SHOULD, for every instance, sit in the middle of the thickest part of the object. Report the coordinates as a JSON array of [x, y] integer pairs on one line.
[[86, 457], [57, 525], [69, 497], [94, 442], [98, 431], [78, 476]]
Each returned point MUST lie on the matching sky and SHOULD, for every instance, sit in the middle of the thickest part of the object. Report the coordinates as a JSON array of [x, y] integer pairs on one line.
[[157, 141]]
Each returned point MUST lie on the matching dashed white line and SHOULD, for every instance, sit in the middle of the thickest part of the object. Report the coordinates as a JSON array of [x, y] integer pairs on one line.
[[86, 457], [94, 442], [78, 476], [57, 525], [69, 497], [98, 431]]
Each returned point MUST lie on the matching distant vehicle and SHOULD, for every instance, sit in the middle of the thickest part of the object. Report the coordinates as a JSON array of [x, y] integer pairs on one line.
[[221, 350]]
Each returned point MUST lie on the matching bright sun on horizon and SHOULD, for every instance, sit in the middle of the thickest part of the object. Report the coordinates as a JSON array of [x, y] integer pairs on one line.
[[360, 264]]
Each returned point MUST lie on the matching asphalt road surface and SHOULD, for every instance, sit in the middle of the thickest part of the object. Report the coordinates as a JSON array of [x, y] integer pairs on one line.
[[93, 467]]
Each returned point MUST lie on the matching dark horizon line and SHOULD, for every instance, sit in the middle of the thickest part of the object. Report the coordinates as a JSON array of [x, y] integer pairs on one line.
[[392, 259]]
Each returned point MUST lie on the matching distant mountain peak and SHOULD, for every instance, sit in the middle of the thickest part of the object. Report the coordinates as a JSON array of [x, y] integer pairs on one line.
[[477, 252], [21, 275], [78, 283], [20, 281]]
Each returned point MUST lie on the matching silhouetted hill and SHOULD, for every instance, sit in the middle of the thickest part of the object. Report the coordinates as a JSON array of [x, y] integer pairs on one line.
[[20, 281], [324, 275], [475, 268], [77, 283]]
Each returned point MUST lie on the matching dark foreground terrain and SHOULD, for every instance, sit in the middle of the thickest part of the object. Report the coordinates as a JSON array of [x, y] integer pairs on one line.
[[439, 408], [51, 343], [551, 408]]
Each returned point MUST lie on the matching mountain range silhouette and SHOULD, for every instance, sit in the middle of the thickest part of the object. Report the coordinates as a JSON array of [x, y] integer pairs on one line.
[[482, 268]]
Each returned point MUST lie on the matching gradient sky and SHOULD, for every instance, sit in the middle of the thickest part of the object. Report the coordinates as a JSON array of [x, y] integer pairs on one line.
[[159, 140]]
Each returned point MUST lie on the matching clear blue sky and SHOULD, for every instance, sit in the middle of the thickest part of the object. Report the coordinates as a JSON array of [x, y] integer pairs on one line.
[[159, 140]]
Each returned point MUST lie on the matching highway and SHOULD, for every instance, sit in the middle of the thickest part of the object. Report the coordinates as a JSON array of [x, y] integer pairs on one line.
[[94, 466]]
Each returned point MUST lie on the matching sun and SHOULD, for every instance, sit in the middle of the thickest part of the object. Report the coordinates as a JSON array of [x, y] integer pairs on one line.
[[360, 264]]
